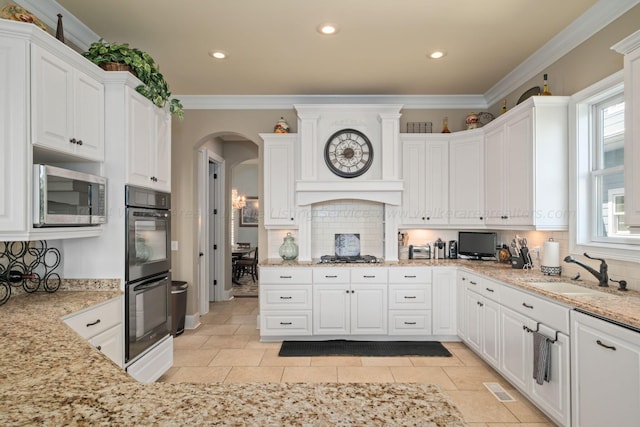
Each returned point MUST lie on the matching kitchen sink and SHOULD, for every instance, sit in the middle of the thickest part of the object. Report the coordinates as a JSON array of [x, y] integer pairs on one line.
[[565, 288]]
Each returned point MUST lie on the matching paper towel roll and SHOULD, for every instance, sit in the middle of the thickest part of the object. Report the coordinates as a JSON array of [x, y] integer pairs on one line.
[[551, 254]]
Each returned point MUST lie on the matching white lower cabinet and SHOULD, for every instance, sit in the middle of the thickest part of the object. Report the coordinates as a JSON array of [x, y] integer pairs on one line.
[[102, 326], [605, 373], [482, 317], [285, 302], [516, 364], [444, 301]]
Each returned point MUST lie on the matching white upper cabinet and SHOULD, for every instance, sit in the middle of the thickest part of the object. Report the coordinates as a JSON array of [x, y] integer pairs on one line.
[[630, 47], [526, 169], [67, 107], [466, 179], [425, 169], [279, 180], [149, 128]]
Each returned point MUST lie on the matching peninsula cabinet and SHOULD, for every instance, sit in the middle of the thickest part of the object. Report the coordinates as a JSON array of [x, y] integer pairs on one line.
[[444, 301], [605, 373], [466, 178], [425, 171], [526, 152], [482, 316], [279, 180], [67, 107], [630, 47]]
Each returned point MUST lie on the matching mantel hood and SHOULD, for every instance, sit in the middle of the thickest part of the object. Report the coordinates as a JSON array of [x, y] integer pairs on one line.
[[387, 191]]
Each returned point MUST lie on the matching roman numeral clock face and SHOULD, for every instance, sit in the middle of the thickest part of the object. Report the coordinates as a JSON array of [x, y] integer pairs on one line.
[[348, 153]]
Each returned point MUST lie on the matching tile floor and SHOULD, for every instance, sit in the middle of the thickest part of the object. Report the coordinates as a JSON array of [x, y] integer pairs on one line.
[[227, 348]]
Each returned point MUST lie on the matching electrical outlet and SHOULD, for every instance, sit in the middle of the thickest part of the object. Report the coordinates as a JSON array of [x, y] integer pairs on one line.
[[174, 245], [536, 250]]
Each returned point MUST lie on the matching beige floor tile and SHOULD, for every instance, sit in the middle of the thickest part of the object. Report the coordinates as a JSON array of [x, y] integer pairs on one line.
[[245, 319], [524, 410], [171, 372], [436, 361], [468, 357], [219, 318], [336, 361], [252, 343], [385, 361], [310, 374], [453, 344], [365, 374], [226, 341], [423, 374], [238, 357], [472, 377], [514, 424], [271, 358], [480, 406], [193, 357], [210, 329], [200, 374], [248, 330], [189, 341], [254, 375]]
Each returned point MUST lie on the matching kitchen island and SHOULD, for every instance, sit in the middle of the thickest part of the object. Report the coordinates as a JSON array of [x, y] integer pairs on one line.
[[49, 375]]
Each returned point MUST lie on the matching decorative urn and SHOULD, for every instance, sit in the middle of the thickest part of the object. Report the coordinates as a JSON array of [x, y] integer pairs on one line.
[[281, 126], [289, 249]]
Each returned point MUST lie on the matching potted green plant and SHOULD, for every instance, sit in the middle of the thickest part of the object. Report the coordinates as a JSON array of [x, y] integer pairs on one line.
[[141, 64]]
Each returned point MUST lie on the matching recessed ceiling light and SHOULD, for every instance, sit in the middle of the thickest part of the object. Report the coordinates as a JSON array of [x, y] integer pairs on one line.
[[437, 54], [218, 54], [328, 29]]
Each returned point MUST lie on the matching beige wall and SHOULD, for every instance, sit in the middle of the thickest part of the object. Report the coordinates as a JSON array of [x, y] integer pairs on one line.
[[585, 65]]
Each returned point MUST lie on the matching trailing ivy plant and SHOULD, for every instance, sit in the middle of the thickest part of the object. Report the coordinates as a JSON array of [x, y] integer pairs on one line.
[[154, 86]]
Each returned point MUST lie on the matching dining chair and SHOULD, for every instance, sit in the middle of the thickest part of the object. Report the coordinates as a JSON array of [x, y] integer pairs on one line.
[[247, 265]]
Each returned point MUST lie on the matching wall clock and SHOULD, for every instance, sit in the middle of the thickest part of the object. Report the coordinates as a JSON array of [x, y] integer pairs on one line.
[[348, 153]]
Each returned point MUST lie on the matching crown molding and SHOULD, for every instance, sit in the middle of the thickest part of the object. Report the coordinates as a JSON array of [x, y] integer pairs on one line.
[[75, 31], [275, 102], [593, 20]]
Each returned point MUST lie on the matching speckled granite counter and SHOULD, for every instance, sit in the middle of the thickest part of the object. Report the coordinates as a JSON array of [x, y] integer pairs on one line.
[[51, 376], [610, 303]]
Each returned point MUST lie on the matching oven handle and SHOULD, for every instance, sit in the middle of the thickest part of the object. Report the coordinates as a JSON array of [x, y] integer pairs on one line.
[[149, 285], [152, 214]]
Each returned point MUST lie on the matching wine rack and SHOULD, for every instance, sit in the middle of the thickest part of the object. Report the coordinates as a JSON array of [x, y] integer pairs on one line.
[[30, 265]]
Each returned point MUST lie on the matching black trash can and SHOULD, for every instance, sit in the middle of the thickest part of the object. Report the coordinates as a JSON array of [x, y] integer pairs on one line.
[[178, 306]]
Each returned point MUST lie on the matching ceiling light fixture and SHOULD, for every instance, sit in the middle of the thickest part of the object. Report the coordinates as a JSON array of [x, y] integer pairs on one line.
[[218, 54], [327, 29], [437, 54]]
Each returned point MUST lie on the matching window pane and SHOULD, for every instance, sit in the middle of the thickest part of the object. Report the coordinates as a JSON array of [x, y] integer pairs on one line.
[[610, 132], [610, 202]]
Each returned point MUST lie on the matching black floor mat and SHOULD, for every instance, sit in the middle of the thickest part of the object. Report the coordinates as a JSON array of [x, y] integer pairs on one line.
[[363, 348]]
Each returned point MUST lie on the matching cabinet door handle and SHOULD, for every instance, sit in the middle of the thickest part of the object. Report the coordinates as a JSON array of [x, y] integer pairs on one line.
[[480, 304], [610, 347], [409, 277], [347, 290], [525, 305], [353, 292], [73, 141], [409, 297], [285, 323], [489, 290], [93, 323], [409, 323], [331, 277], [79, 142], [285, 277], [472, 282], [369, 277], [285, 297], [99, 348]]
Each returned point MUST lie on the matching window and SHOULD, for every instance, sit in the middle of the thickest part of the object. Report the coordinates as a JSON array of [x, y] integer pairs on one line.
[[597, 170]]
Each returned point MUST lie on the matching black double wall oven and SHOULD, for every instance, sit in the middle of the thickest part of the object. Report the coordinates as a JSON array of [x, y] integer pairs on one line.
[[147, 272]]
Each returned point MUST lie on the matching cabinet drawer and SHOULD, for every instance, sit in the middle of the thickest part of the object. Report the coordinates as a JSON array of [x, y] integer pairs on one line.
[[369, 275], [549, 313], [410, 275], [97, 319], [275, 323], [486, 288], [409, 297], [278, 297], [331, 275], [410, 322], [280, 276]]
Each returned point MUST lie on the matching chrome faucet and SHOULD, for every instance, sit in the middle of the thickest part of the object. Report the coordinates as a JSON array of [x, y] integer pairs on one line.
[[602, 275]]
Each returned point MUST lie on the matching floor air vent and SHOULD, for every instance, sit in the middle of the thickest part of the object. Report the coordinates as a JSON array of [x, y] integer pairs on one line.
[[499, 392]]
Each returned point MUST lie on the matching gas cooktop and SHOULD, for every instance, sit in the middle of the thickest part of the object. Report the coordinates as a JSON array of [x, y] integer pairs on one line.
[[359, 259]]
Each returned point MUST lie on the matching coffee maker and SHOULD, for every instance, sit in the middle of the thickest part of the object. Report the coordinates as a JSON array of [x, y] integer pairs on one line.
[[453, 249], [439, 249]]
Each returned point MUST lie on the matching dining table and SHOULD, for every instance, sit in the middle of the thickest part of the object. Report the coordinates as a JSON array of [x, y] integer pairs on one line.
[[239, 252]]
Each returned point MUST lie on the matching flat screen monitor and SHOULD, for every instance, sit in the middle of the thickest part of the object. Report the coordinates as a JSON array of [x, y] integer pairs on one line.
[[477, 244]]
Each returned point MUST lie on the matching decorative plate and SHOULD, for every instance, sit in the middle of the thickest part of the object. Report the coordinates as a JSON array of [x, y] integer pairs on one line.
[[534, 91], [484, 118], [16, 13]]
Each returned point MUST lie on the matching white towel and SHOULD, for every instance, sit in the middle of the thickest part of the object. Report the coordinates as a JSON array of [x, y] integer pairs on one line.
[[541, 358]]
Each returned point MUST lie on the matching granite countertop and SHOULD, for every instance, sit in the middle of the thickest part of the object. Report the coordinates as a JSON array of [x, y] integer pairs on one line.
[[610, 303], [49, 375]]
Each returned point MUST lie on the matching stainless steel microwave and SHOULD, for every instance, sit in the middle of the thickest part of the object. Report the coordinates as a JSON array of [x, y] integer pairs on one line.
[[63, 198]]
